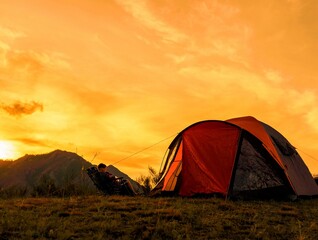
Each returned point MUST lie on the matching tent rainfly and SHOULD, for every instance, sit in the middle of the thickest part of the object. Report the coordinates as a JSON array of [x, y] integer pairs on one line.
[[237, 158]]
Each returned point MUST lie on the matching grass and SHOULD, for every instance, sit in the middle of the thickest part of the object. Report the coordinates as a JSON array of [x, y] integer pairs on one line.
[[116, 217]]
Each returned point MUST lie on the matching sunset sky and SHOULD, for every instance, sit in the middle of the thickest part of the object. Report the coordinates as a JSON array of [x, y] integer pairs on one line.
[[108, 79]]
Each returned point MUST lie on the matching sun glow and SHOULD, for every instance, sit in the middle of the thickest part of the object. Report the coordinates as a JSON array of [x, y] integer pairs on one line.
[[6, 150]]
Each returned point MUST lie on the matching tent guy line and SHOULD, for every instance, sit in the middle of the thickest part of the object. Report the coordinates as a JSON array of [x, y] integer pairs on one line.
[[144, 149], [308, 155]]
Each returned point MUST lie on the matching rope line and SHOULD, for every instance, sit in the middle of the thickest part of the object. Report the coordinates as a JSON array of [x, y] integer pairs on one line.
[[144, 149], [307, 155]]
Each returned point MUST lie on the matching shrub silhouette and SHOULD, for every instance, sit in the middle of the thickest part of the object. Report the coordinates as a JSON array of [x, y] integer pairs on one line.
[[149, 181], [45, 187]]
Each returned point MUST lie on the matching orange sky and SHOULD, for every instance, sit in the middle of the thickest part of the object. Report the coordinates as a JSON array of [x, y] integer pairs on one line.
[[110, 78]]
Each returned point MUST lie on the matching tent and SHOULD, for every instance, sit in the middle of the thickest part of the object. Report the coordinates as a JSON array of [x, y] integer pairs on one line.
[[240, 157]]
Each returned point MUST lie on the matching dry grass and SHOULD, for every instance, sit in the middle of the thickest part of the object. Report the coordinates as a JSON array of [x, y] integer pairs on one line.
[[97, 217]]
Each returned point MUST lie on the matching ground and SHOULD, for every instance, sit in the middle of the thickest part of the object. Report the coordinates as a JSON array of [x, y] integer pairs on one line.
[[116, 217]]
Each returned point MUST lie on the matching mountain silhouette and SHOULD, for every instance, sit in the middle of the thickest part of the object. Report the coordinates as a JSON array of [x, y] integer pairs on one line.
[[62, 167], [59, 165]]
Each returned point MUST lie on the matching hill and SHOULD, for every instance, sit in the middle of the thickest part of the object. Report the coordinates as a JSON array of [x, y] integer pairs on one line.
[[27, 170], [61, 168]]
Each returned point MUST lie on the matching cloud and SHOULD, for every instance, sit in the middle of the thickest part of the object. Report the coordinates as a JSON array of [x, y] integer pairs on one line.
[[11, 34], [36, 61], [7, 35], [27, 64], [141, 12], [18, 108], [4, 48], [31, 141]]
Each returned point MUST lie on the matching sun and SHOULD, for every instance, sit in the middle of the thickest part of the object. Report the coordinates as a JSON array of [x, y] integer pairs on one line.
[[6, 150]]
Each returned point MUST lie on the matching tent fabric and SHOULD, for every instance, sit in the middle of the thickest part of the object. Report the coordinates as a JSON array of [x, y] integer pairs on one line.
[[298, 173], [208, 156], [231, 157]]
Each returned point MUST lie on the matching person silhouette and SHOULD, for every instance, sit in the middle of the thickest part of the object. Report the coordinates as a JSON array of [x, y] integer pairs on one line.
[[107, 176]]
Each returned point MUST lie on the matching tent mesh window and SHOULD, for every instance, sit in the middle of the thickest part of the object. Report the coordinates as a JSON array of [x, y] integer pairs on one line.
[[256, 169]]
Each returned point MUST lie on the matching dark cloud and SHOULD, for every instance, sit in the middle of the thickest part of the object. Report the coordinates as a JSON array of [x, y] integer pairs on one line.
[[19, 108]]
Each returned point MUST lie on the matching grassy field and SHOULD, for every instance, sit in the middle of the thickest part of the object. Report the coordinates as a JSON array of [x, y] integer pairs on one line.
[[98, 217]]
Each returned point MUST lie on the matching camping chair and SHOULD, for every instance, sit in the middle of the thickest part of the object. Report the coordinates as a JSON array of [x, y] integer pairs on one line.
[[115, 186]]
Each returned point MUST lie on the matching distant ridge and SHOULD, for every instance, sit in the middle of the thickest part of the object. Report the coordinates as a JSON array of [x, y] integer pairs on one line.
[[61, 166]]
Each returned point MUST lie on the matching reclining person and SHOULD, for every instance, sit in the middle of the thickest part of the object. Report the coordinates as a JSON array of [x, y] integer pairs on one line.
[[108, 177]]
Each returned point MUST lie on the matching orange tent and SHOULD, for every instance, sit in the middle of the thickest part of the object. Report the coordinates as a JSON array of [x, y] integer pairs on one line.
[[240, 157]]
